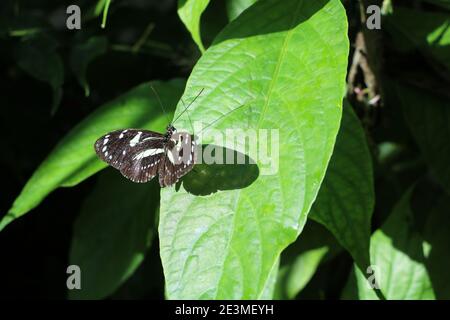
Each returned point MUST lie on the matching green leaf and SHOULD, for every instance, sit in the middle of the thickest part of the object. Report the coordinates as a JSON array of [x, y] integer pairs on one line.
[[236, 7], [190, 12], [346, 198], [82, 54], [398, 259], [74, 159], [38, 57], [428, 32], [301, 259], [112, 233], [286, 63], [428, 117]]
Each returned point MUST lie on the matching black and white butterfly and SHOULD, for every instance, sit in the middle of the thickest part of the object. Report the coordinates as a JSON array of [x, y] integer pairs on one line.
[[142, 154]]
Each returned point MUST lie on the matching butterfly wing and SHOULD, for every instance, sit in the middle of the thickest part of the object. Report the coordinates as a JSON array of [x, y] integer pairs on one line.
[[136, 153], [179, 159]]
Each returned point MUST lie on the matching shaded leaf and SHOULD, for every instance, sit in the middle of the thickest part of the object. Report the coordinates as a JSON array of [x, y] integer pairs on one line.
[[428, 118], [73, 159], [437, 245], [236, 7], [84, 53], [346, 198], [428, 32], [286, 62], [442, 3], [38, 57], [301, 259], [112, 233]]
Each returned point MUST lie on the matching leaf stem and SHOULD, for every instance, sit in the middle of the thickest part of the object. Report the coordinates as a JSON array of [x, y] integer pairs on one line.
[[143, 38], [105, 13]]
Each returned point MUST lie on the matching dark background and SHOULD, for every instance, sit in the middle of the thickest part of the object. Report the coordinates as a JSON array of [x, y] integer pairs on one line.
[[34, 249]]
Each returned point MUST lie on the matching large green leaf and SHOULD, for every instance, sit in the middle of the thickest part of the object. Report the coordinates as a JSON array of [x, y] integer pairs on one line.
[[428, 32], [285, 61], [236, 7], [74, 159], [190, 12], [112, 233], [398, 259], [346, 198], [37, 55], [428, 117]]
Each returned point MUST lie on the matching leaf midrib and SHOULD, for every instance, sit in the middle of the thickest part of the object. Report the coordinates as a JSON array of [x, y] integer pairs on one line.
[[265, 107]]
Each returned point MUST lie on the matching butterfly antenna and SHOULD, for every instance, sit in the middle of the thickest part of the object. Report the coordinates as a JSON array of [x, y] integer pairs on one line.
[[224, 115], [185, 109], [188, 117], [160, 103]]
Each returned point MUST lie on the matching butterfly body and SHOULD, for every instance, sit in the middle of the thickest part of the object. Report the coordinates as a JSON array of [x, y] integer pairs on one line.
[[140, 155]]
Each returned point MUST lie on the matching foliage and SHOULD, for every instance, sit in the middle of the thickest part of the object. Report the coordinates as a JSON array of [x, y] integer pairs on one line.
[[360, 194]]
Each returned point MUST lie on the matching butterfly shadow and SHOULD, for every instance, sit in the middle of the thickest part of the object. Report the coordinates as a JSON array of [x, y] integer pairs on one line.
[[206, 179]]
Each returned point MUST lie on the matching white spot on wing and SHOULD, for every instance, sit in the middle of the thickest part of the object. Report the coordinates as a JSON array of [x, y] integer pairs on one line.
[[105, 141], [170, 156], [149, 152], [135, 140], [152, 138]]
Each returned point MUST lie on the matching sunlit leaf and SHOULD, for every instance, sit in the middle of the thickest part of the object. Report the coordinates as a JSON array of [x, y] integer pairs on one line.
[[190, 12]]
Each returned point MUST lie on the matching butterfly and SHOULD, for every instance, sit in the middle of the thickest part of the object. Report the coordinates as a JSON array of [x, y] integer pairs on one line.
[[140, 155]]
